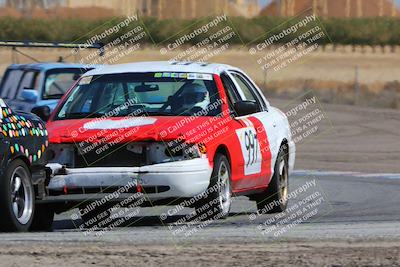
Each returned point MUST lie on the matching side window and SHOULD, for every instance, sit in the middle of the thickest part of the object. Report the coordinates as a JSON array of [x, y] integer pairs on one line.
[[28, 80], [230, 90], [58, 81], [9, 83], [244, 87], [249, 91], [256, 92]]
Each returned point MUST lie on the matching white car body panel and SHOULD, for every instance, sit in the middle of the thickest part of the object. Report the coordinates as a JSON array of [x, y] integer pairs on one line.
[[186, 178], [274, 121]]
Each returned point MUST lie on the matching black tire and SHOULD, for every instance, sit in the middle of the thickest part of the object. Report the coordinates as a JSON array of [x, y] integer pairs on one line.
[[17, 202], [43, 218], [274, 199], [216, 203]]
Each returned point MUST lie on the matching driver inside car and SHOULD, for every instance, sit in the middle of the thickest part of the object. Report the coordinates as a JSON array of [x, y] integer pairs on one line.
[[192, 98]]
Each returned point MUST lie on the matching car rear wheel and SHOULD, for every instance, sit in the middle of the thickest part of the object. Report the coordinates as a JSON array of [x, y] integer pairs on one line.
[[216, 202], [275, 198], [17, 198]]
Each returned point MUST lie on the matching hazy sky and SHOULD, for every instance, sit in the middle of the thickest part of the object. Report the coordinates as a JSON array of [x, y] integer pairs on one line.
[[264, 2]]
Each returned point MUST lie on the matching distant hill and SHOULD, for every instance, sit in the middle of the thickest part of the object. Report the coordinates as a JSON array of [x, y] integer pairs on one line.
[[332, 8], [162, 9], [87, 13]]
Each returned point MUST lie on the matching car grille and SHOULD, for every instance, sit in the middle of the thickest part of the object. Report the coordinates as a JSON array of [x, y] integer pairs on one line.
[[117, 156]]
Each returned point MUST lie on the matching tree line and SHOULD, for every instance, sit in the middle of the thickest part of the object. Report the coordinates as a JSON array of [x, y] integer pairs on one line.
[[356, 31]]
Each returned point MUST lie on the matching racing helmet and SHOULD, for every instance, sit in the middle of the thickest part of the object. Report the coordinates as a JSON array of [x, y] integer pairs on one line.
[[194, 95]]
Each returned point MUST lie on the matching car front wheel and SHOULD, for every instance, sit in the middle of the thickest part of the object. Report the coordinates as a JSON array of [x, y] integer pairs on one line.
[[17, 198], [216, 201]]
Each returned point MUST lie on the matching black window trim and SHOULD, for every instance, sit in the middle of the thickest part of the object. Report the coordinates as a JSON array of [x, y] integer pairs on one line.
[[232, 84], [253, 90]]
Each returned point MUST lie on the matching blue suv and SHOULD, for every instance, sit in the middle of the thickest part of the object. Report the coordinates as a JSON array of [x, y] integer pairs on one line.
[[27, 86]]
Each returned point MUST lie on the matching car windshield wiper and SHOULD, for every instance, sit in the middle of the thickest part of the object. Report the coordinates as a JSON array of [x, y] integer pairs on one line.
[[55, 96], [158, 113]]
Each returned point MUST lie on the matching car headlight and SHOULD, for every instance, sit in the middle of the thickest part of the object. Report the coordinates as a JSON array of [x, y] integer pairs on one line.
[[184, 151]]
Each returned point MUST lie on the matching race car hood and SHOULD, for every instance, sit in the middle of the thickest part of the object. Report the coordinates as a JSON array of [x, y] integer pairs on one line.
[[128, 129]]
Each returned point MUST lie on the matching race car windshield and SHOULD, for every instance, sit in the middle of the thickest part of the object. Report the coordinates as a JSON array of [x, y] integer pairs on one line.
[[142, 94]]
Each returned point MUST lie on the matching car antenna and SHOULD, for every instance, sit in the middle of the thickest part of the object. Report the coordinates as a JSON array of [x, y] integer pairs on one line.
[[16, 44]]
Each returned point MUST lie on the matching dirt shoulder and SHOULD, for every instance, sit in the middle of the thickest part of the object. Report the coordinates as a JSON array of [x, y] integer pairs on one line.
[[298, 253], [360, 139]]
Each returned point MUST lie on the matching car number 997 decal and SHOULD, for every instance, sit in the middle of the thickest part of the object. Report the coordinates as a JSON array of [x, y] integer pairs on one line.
[[250, 150]]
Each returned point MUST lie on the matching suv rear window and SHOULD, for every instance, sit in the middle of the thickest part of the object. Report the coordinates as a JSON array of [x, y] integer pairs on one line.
[[9, 83], [58, 81]]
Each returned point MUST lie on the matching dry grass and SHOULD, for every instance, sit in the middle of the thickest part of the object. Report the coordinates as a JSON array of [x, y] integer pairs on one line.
[[330, 74]]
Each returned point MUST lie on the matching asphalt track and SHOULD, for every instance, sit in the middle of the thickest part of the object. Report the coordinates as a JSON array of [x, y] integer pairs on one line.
[[355, 224], [350, 206], [357, 204], [348, 219]]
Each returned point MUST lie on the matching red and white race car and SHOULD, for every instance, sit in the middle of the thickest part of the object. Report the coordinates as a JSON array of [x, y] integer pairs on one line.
[[175, 131]]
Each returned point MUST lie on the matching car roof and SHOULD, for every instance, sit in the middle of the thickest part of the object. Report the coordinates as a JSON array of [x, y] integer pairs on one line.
[[161, 66], [49, 65]]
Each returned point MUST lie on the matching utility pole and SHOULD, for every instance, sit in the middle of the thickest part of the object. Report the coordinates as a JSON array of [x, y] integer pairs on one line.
[[348, 9], [359, 8], [183, 13], [288, 8], [315, 7], [325, 8], [292, 8], [380, 8], [159, 9], [193, 9], [283, 8], [394, 8], [278, 5], [357, 85]]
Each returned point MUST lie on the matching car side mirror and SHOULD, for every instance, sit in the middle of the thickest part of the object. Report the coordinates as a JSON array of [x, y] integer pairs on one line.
[[42, 112], [30, 95], [244, 108]]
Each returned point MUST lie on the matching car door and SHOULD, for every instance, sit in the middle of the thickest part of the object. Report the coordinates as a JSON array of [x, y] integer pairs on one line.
[[248, 171], [255, 137]]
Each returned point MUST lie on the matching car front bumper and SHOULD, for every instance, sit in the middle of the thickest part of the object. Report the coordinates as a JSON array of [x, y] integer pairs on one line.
[[180, 179]]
